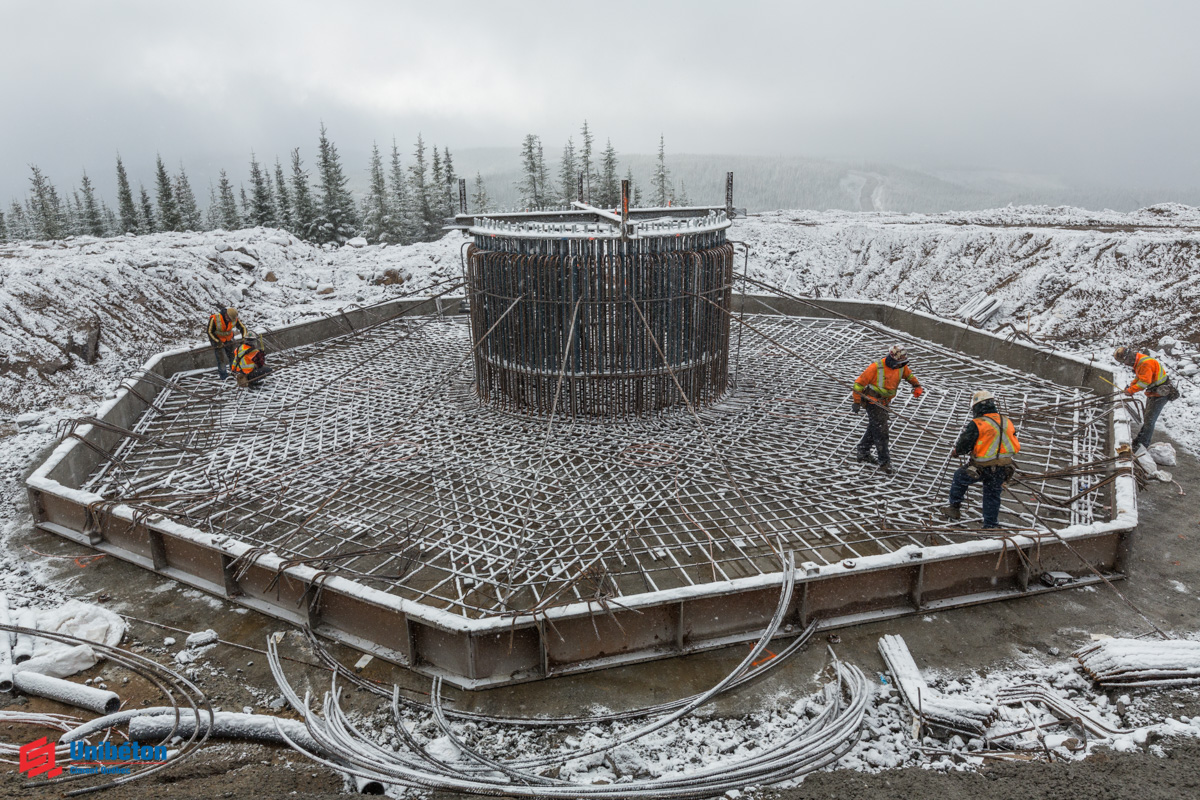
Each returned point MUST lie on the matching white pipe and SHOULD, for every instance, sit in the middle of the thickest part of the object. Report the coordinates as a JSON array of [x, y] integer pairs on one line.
[[367, 785], [119, 718], [226, 725], [99, 701], [6, 673], [23, 650]]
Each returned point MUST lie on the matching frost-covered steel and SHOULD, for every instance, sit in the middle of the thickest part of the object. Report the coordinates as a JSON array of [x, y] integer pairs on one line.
[[688, 587], [600, 326]]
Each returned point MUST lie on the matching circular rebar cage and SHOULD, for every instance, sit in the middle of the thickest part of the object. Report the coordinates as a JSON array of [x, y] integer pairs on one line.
[[601, 327]]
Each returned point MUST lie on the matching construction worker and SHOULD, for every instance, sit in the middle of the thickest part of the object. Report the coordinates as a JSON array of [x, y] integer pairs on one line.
[[249, 363], [222, 327], [1150, 377], [991, 441], [875, 388]]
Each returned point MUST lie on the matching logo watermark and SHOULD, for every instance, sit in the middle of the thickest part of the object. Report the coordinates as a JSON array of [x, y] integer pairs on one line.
[[39, 758]]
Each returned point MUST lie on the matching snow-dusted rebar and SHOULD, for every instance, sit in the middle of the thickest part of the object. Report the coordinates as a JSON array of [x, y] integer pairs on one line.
[[1139, 662], [1060, 706], [824, 739], [953, 713]]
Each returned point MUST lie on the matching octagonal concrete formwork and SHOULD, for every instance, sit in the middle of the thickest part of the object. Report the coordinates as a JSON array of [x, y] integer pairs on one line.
[[391, 511]]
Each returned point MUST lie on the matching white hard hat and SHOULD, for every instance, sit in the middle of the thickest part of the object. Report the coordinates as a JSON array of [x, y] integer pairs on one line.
[[898, 353], [981, 396]]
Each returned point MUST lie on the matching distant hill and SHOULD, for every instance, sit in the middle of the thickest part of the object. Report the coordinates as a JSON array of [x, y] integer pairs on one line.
[[765, 183]]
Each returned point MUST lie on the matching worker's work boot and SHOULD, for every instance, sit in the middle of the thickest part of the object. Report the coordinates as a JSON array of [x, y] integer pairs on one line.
[[886, 466], [869, 458], [952, 512]]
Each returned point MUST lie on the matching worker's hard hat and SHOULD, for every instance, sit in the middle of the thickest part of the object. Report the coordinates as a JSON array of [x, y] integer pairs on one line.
[[1124, 354], [898, 354], [983, 395], [231, 313]]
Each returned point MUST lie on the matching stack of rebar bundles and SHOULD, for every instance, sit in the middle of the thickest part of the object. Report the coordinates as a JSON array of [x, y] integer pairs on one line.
[[932, 707], [1137, 662]]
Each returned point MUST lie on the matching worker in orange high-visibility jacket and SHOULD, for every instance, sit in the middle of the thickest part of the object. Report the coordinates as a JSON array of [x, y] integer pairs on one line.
[[222, 328], [875, 388], [1150, 377], [991, 441], [249, 363]]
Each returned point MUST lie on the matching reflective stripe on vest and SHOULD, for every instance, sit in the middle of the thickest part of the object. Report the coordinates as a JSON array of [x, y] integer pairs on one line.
[[223, 330], [997, 439], [243, 359], [1160, 376], [880, 375]]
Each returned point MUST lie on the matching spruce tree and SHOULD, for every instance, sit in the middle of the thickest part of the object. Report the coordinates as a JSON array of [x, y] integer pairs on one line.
[[18, 224], [93, 221], [262, 204], [147, 223], [682, 199], [304, 213], [111, 225], [609, 194], [73, 215], [130, 222], [283, 200], [3, 228], [419, 183], [403, 226], [635, 191], [543, 176], [661, 182], [480, 202], [528, 187], [437, 191], [46, 212], [168, 208], [585, 161], [212, 215], [245, 206], [451, 187], [336, 217], [568, 173], [228, 215], [189, 209], [376, 206]]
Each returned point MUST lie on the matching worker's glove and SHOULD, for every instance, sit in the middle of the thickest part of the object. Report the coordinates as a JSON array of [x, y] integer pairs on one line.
[[1131, 392], [858, 408], [917, 392]]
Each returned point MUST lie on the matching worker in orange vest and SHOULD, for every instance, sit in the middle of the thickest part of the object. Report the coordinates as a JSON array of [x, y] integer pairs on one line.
[[249, 363], [875, 388], [1150, 377], [222, 327], [991, 441]]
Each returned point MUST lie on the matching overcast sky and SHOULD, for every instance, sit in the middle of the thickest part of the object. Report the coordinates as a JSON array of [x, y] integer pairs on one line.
[[1103, 91]]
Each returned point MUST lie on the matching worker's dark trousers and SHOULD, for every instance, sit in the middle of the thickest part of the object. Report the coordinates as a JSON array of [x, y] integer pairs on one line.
[[993, 479], [1154, 407], [877, 433], [224, 354]]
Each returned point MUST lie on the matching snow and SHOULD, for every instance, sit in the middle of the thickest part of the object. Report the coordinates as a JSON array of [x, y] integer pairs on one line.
[[1081, 281]]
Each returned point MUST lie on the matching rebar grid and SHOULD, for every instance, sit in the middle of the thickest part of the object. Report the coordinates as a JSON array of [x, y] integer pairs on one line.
[[400, 478], [593, 293]]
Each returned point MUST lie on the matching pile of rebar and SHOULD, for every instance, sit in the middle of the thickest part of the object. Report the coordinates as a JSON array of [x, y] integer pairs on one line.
[[1141, 662], [809, 745]]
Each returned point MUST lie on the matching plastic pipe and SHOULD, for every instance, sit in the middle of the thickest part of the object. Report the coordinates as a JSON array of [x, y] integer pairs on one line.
[[23, 649], [6, 673], [99, 701]]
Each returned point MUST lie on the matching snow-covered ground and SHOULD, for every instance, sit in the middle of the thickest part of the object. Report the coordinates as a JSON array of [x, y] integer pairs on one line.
[[1078, 280]]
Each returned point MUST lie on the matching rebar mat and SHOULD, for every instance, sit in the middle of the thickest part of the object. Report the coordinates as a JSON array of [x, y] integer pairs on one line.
[[369, 456]]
